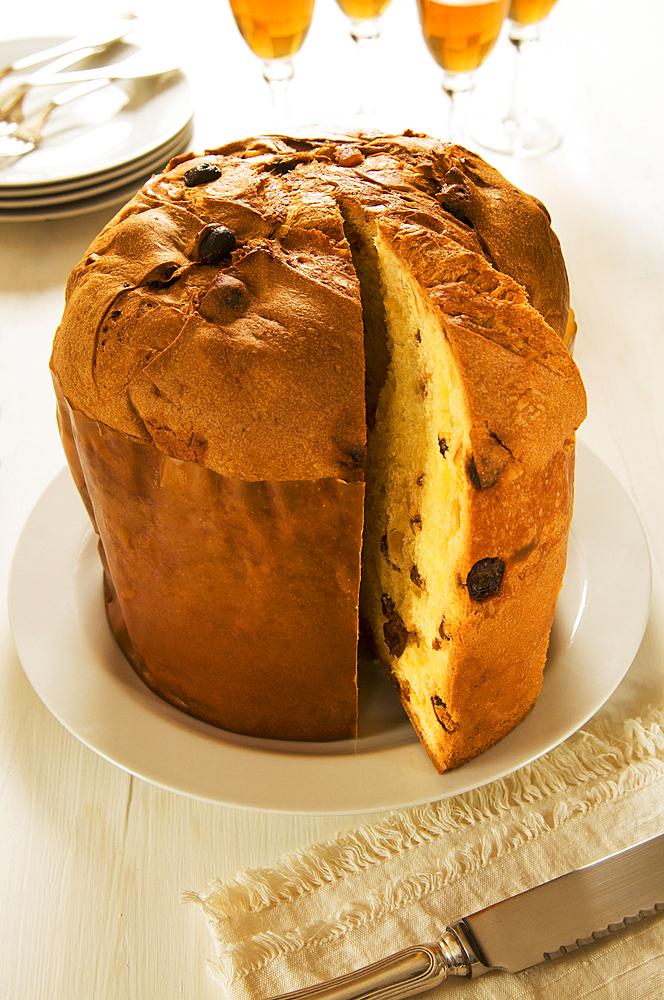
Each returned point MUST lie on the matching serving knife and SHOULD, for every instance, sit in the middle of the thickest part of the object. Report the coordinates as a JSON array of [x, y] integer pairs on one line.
[[520, 932]]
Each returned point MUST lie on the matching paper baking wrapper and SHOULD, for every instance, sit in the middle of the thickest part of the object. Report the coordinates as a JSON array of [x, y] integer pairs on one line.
[[235, 601]]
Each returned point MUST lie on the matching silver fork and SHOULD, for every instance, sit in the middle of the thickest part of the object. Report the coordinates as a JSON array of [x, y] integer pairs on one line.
[[11, 102], [140, 64], [95, 41], [11, 108], [27, 136]]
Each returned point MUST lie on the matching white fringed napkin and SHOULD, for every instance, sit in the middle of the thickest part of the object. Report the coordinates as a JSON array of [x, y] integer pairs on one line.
[[331, 908]]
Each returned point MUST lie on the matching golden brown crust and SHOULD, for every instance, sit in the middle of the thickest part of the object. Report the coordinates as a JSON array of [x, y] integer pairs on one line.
[[213, 412], [146, 322], [216, 366], [189, 556], [514, 229]]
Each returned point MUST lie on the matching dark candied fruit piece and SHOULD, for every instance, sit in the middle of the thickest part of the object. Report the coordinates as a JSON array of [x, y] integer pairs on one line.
[[442, 714], [436, 642], [226, 299], [443, 445], [485, 578], [417, 578], [202, 173], [396, 636], [216, 244], [395, 632]]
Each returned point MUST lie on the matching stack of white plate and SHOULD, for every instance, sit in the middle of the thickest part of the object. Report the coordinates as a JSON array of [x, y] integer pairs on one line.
[[98, 151]]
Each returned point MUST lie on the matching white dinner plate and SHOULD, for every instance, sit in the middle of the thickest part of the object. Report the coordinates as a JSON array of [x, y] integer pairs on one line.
[[20, 197], [71, 659], [93, 203], [104, 130], [67, 202]]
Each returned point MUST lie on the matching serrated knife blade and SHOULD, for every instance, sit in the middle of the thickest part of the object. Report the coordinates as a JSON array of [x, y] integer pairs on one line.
[[532, 927]]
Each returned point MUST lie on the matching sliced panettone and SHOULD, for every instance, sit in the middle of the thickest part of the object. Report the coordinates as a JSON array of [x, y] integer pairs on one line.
[[469, 497]]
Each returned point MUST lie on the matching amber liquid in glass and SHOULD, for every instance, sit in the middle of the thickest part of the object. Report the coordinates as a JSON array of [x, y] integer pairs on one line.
[[273, 30], [529, 11], [460, 37], [362, 10]]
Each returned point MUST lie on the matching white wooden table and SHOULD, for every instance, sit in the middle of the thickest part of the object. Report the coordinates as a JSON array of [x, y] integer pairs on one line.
[[93, 860]]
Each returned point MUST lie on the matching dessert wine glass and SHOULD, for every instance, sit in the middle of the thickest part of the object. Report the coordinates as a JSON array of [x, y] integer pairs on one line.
[[519, 133], [460, 34], [274, 31], [365, 30]]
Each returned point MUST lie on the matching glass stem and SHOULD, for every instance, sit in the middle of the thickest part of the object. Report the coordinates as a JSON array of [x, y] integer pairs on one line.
[[278, 74], [459, 88], [525, 40], [365, 34]]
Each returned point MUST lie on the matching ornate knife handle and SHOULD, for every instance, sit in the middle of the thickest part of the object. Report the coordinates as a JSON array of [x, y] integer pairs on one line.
[[411, 971]]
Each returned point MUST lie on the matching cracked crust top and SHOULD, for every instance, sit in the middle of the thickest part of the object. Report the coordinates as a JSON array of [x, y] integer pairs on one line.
[[227, 360]]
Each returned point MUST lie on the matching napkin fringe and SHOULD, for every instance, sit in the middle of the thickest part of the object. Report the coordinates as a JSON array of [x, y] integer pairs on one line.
[[609, 763]]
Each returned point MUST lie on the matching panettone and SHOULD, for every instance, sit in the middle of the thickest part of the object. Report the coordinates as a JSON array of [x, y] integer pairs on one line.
[[293, 365]]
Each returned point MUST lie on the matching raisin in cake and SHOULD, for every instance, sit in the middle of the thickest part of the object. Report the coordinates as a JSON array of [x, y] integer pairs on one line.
[[300, 376]]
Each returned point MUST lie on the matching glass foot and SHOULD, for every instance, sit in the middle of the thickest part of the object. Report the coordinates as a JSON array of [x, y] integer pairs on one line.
[[521, 139]]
